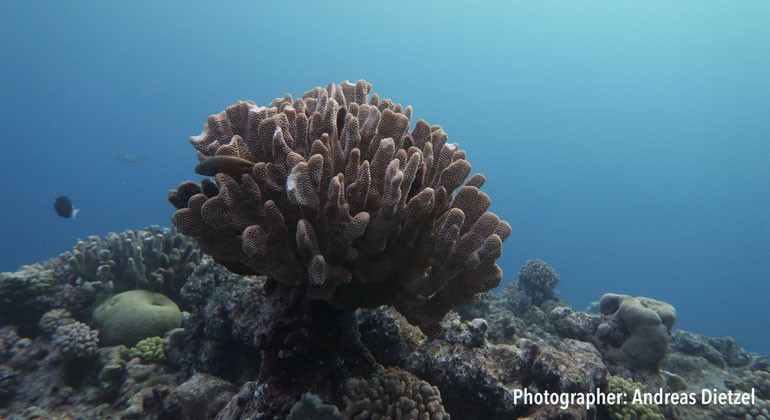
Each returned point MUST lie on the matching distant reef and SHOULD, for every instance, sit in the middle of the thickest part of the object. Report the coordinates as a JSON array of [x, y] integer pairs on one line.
[[241, 336]]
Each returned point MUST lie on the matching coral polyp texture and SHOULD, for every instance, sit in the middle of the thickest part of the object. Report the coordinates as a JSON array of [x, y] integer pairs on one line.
[[333, 192]]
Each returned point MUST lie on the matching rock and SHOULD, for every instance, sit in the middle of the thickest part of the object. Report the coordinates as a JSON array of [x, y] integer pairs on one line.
[[203, 396], [310, 406]]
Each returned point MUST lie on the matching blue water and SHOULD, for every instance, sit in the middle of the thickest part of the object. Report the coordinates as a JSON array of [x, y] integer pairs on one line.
[[627, 143]]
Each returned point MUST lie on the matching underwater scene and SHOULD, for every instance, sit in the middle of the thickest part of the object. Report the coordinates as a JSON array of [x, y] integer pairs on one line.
[[385, 210]]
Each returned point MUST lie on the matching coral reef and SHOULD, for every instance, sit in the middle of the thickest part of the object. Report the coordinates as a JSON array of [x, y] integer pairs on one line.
[[251, 347], [758, 411], [479, 382], [347, 260], [338, 195], [156, 259], [720, 351]]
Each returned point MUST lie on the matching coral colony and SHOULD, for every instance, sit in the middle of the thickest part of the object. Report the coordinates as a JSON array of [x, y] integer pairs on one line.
[[344, 200], [333, 264]]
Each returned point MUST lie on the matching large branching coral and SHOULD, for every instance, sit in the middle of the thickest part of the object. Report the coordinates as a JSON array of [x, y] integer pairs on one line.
[[335, 193]]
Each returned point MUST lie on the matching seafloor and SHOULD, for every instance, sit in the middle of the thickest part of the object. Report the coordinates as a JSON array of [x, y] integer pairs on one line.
[[249, 348]]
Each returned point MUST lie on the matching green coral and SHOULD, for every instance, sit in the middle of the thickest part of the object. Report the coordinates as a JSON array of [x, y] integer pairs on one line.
[[135, 315], [628, 410], [149, 350]]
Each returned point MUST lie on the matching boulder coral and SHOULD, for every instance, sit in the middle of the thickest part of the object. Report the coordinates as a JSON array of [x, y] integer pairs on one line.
[[646, 323], [335, 193], [129, 317]]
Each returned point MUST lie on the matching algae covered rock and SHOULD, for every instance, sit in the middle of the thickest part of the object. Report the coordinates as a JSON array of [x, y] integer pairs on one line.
[[131, 316]]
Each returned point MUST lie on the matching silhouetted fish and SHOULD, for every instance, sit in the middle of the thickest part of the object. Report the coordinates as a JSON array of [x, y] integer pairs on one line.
[[64, 207], [129, 158], [231, 165]]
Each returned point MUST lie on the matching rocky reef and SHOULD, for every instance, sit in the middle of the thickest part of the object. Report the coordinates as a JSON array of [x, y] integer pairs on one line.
[[339, 267], [252, 348]]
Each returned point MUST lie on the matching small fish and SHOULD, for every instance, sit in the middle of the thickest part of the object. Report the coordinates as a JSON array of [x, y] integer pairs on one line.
[[129, 158], [64, 207], [230, 165]]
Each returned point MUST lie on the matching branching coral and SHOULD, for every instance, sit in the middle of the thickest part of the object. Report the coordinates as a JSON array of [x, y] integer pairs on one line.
[[393, 394], [149, 350], [338, 195], [55, 318], [75, 341], [152, 259], [538, 280]]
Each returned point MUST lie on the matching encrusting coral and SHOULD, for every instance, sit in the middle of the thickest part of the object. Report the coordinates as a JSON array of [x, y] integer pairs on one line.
[[338, 195]]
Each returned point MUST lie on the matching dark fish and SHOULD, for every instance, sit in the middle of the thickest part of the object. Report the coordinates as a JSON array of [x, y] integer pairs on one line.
[[230, 165], [64, 207], [129, 158]]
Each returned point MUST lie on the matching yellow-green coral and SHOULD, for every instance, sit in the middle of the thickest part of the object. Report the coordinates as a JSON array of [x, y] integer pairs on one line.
[[628, 410], [149, 350]]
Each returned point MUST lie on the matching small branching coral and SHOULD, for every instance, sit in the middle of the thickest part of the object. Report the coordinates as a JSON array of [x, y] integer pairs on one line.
[[538, 280], [149, 350], [75, 340], [337, 195]]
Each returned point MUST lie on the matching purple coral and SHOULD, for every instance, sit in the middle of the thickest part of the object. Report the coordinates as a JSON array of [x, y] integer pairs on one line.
[[344, 199], [75, 341]]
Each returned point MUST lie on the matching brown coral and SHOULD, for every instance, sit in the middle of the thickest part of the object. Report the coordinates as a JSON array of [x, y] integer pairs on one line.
[[344, 199], [393, 394]]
